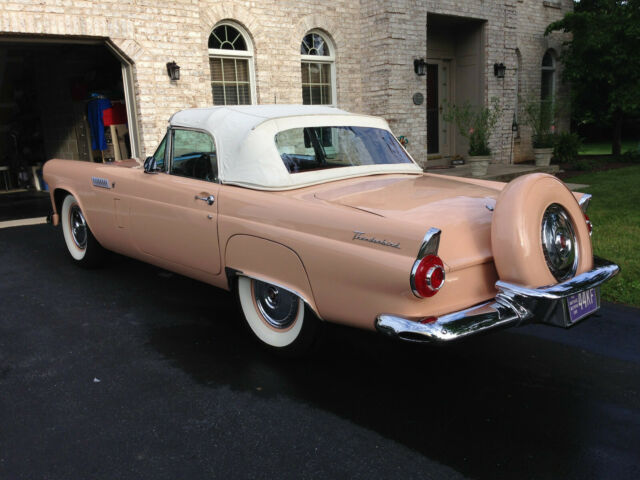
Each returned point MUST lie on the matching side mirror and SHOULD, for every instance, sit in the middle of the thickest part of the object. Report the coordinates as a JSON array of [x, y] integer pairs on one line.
[[150, 165]]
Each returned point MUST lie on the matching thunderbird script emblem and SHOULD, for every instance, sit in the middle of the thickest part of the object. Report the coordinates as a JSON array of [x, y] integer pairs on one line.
[[363, 237]]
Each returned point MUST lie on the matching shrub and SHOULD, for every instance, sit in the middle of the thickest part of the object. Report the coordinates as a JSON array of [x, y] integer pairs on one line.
[[566, 147], [475, 123], [632, 156], [540, 116]]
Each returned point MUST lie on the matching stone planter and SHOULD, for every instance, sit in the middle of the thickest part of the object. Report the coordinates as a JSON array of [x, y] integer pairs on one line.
[[543, 156], [479, 165]]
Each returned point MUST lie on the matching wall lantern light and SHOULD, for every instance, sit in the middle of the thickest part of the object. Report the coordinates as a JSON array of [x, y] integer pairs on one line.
[[420, 67], [499, 69], [173, 70]]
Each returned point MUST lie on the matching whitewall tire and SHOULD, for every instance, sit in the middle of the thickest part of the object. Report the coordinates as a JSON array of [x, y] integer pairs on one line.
[[81, 244], [278, 318]]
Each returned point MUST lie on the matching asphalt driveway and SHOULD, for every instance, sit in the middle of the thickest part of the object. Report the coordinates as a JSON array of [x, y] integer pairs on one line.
[[131, 372]]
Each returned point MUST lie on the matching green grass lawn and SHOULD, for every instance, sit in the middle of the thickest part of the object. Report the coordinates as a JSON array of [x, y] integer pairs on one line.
[[615, 214], [604, 148]]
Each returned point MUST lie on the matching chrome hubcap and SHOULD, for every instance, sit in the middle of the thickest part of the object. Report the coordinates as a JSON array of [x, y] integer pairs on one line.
[[559, 243], [278, 306], [78, 227]]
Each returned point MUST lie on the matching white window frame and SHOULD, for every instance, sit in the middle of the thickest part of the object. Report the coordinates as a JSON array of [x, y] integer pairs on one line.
[[326, 59], [237, 54]]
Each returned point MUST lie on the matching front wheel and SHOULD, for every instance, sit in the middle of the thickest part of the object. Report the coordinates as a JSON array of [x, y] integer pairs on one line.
[[277, 317], [81, 244]]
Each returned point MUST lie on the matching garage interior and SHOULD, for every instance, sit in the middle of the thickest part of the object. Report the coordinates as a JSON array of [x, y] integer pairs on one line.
[[57, 100]]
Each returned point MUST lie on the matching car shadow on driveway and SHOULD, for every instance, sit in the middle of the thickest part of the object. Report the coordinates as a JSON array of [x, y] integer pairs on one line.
[[502, 404]]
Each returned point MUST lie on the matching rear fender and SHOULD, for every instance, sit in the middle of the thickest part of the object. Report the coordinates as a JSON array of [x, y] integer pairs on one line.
[[268, 261]]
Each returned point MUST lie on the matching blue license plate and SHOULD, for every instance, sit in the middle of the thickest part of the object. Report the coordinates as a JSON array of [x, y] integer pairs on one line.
[[582, 304]]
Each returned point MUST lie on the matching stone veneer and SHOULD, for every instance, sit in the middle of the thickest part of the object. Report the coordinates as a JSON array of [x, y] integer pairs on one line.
[[376, 43]]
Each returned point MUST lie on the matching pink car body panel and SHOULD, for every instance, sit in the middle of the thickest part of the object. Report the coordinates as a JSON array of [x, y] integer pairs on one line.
[[302, 239]]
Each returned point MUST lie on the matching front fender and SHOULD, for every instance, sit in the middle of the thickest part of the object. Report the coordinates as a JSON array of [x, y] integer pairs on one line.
[[270, 262], [56, 173]]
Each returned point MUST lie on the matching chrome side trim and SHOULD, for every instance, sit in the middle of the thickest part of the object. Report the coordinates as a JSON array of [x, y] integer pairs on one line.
[[513, 305], [584, 202], [100, 182], [429, 246]]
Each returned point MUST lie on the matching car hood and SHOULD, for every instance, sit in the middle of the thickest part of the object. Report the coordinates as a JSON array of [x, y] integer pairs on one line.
[[461, 208]]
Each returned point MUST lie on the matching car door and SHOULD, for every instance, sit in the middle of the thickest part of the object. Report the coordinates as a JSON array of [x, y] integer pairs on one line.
[[175, 212]]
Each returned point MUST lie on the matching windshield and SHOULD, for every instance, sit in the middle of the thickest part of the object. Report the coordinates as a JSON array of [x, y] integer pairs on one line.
[[319, 148]]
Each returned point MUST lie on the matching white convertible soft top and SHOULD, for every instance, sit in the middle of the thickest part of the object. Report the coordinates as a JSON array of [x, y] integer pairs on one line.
[[246, 147]]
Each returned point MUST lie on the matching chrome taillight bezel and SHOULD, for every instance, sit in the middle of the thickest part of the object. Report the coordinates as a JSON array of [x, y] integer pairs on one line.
[[429, 246]]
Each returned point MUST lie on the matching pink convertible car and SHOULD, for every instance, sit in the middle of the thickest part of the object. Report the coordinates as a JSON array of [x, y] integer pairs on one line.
[[313, 215]]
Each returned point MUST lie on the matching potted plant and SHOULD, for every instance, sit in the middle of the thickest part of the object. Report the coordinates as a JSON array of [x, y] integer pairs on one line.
[[475, 123], [540, 116]]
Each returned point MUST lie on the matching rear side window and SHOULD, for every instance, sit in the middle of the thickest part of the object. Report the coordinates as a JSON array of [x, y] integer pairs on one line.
[[319, 148], [194, 155]]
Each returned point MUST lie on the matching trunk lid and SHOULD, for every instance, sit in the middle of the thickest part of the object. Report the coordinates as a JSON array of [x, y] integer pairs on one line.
[[460, 207]]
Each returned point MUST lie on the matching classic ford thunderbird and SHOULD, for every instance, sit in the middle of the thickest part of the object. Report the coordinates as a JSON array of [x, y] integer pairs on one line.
[[313, 215]]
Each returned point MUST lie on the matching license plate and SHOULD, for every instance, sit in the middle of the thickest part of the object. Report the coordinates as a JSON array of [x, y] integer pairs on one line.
[[582, 304]]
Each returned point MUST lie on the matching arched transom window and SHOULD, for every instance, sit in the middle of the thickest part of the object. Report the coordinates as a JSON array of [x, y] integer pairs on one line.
[[318, 69], [231, 65]]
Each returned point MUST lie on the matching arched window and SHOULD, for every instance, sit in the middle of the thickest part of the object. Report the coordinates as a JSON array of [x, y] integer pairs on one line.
[[318, 69], [548, 84], [231, 65]]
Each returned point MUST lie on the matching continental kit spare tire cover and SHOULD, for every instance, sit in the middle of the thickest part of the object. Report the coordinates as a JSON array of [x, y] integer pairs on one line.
[[539, 235]]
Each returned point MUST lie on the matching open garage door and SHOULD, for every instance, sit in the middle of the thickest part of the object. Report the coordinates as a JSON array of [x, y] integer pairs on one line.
[[59, 98]]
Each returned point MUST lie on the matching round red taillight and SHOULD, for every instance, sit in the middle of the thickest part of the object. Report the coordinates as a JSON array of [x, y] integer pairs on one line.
[[428, 276]]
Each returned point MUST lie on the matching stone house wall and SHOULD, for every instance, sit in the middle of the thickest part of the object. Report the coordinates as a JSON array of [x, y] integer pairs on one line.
[[376, 43]]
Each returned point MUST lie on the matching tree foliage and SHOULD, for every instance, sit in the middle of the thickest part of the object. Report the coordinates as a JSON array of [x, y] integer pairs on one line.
[[602, 60]]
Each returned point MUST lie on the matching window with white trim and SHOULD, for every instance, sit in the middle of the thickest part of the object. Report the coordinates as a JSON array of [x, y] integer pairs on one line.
[[318, 69], [231, 65]]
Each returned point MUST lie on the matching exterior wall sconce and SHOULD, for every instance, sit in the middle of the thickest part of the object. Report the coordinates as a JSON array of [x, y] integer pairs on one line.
[[420, 67], [499, 69], [173, 70]]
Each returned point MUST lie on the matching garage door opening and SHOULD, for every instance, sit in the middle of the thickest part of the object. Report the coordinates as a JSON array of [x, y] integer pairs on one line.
[[58, 100]]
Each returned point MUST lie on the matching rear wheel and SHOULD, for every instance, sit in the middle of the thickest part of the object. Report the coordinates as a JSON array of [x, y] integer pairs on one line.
[[277, 317], [81, 244]]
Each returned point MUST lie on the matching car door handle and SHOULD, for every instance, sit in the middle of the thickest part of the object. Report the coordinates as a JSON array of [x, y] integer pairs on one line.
[[209, 199]]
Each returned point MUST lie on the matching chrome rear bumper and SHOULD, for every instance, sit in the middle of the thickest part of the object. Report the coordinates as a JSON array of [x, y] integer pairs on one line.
[[513, 305]]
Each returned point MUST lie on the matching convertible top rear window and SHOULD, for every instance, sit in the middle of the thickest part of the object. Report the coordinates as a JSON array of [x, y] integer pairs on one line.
[[319, 148]]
